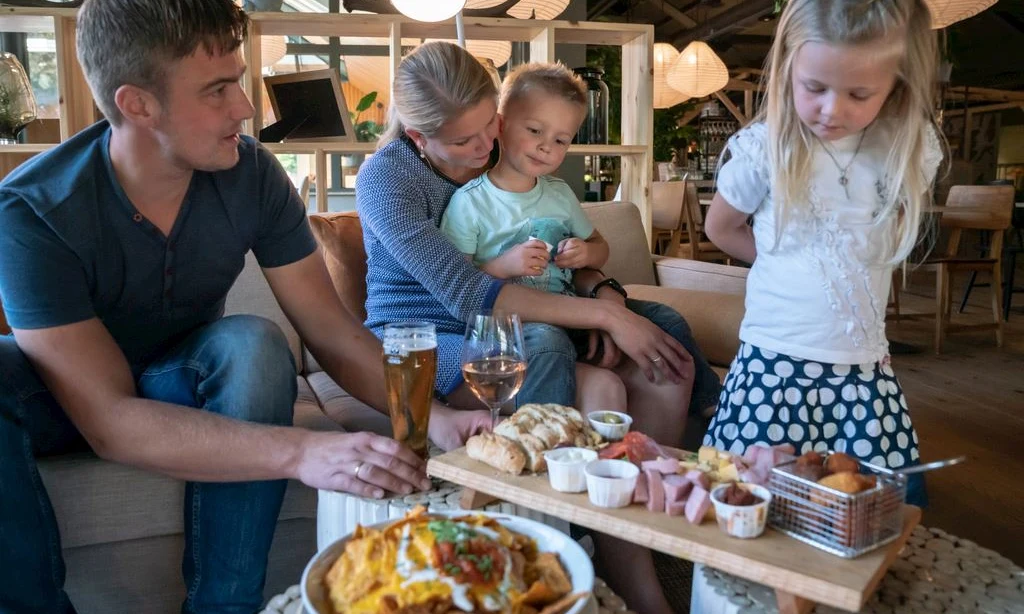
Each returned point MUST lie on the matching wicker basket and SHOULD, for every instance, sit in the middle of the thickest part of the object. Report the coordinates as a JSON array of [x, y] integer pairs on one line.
[[834, 521]]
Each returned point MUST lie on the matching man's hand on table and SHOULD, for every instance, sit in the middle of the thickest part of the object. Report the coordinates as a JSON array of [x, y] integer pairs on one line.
[[363, 464], [450, 428]]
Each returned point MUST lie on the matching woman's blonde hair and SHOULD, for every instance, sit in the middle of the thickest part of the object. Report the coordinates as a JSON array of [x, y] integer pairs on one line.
[[905, 25], [434, 84]]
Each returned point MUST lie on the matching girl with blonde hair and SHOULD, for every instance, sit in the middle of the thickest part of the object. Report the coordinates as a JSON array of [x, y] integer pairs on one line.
[[835, 172]]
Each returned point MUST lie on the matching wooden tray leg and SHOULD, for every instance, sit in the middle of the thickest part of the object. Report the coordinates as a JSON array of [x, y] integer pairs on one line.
[[472, 499], [791, 604]]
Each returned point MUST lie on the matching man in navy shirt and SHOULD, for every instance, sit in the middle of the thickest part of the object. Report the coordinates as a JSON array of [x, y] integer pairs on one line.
[[117, 251]]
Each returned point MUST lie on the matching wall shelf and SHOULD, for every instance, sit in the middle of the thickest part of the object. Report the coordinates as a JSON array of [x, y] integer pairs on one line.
[[636, 40]]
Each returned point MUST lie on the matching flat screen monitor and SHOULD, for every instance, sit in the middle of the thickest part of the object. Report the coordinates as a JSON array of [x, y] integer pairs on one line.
[[309, 106]]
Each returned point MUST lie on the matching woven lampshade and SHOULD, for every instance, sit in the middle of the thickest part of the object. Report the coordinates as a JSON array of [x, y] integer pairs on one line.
[[946, 12], [665, 96], [544, 9], [482, 4], [272, 49], [698, 71], [496, 51], [432, 10]]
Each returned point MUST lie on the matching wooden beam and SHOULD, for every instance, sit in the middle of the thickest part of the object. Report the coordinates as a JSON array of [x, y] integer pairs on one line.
[[673, 12], [743, 86], [748, 103], [985, 93], [728, 20], [689, 116], [743, 119], [984, 109]]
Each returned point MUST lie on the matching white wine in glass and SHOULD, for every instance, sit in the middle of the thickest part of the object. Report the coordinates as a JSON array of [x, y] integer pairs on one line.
[[494, 358]]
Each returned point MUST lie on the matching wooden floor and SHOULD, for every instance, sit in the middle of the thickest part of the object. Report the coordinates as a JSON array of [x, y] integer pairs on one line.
[[969, 400]]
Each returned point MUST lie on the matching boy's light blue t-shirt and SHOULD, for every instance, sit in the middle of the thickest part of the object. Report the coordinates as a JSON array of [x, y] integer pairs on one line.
[[485, 221]]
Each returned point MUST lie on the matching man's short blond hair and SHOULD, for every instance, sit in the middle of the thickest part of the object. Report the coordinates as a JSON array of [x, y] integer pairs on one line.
[[553, 79]]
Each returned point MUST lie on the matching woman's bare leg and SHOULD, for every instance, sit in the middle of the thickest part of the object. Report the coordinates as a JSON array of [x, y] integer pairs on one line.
[[629, 571], [598, 389], [658, 410]]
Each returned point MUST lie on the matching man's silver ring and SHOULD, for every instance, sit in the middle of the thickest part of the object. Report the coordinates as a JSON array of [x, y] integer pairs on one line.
[[359, 465], [656, 358]]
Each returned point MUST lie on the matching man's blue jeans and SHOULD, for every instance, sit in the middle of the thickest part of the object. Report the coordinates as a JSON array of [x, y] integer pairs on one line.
[[239, 367], [551, 359]]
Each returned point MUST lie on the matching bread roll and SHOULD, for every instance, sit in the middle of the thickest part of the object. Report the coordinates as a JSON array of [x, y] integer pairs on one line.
[[499, 452]]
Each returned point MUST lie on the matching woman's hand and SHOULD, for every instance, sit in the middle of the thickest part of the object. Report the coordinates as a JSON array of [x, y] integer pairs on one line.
[[449, 428], [363, 464], [527, 259], [651, 348]]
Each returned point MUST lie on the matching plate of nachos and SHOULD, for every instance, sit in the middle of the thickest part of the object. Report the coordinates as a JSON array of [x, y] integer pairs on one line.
[[451, 562]]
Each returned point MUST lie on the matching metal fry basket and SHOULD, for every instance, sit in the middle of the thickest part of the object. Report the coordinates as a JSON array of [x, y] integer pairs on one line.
[[837, 522]]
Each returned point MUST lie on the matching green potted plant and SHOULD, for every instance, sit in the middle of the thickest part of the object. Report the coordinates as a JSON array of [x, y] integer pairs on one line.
[[366, 130]]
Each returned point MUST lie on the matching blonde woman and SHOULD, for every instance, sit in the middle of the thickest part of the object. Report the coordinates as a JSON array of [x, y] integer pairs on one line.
[[443, 124], [835, 173]]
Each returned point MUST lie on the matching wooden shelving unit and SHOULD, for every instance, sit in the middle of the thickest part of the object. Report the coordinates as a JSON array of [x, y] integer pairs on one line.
[[636, 40]]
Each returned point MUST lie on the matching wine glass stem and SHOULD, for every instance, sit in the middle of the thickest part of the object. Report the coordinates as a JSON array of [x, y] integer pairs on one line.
[[495, 410]]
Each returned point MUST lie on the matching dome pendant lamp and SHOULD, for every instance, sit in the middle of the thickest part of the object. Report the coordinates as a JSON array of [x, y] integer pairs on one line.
[[698, 71]]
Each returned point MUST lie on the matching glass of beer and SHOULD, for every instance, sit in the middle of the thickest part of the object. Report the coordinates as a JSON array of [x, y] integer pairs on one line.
[[410, 366], [494, 358]]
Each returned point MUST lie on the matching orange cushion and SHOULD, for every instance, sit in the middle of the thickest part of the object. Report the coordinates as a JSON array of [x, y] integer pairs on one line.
[[4, 329], [340, 236]]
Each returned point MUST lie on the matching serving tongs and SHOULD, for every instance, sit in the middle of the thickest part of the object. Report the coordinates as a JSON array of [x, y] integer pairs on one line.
[[949, 462]]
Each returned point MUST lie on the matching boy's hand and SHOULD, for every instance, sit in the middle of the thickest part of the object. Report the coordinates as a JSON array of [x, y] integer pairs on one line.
[[527, 259], [573, 253]]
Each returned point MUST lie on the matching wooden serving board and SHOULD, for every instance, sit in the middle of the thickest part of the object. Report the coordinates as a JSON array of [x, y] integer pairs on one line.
[[801, 574]]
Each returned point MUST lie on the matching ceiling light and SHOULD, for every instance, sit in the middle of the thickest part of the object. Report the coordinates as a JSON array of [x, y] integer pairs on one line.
[[429, 10], [665, 96], [698, 71], [946, 12]]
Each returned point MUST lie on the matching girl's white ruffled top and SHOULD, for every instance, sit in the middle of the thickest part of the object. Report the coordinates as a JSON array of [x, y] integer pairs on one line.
[[820, 294]]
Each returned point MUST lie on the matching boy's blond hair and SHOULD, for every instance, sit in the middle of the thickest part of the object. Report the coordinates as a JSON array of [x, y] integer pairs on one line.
[[553, 79]]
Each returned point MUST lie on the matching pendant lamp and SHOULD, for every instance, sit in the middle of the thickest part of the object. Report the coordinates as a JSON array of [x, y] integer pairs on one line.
[[497, 52], [542, 9], [946, 12], [429, 10], [698, 71], [272, 49], [665, 96]]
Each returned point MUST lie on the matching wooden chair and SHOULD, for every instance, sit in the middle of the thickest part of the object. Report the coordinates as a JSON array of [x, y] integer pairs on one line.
[[666, 214], [971, 208], [697, 246]]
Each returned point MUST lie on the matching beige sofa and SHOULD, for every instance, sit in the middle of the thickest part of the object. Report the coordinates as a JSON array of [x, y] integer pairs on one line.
[[122, 527]]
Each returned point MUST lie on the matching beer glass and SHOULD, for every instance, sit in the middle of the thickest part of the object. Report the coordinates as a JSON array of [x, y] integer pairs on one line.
[[410, 366], [494, 358]]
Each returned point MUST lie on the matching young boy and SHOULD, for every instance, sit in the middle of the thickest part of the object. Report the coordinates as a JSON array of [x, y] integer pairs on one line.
[[515, 221]]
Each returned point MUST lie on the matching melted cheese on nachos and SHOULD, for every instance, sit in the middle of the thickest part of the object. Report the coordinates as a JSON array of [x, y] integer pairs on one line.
[[443, 564]]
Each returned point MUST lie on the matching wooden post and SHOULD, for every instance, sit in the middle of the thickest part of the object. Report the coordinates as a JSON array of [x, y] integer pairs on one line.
[[321, 181], [748, 104], [791, 604], [473, 499], [395, 46], [74, 95], [967, 126], [542, 47], [253, 82], [638, 122]]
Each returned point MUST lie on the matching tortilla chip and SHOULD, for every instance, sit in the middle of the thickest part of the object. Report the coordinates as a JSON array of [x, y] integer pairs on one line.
[[564, 604]]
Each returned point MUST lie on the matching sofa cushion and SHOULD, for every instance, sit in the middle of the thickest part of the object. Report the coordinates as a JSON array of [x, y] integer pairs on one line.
[[352, 414], [97, 501], [714, 317], [251, 294], [619, 223], [340, 236]]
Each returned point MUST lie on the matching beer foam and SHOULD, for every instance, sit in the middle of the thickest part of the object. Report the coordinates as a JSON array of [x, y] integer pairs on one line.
[[405, 345]]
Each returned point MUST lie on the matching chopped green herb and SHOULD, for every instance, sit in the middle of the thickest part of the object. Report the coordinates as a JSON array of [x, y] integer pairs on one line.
[[448, 531], [452, 569], [485, 564]]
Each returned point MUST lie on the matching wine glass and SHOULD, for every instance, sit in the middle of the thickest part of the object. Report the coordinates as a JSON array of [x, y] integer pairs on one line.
[[494, 358]]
